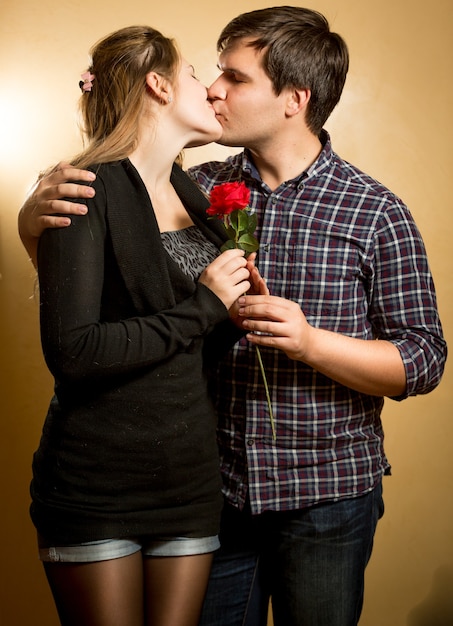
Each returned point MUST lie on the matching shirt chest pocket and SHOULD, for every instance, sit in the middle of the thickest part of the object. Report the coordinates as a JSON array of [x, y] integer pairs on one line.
[[325, 270]]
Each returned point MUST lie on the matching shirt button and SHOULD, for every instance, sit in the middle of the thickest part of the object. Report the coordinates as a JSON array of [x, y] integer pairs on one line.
[[250, 442]]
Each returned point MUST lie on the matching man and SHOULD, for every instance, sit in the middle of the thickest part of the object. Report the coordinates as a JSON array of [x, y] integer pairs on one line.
[[351, 318]]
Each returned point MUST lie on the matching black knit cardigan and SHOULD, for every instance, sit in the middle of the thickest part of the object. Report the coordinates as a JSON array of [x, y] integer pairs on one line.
[[128, 445]]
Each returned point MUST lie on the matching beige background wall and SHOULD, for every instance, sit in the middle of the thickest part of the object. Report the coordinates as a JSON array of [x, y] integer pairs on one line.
[[394, 121]]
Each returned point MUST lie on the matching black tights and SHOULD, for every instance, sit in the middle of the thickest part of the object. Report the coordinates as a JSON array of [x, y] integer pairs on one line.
[[130, 591]]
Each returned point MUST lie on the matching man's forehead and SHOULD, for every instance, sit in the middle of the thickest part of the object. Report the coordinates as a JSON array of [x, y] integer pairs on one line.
[[239, 57]]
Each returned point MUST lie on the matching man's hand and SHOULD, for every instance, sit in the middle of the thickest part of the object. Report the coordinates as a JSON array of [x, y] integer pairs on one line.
[[44, 205], [257, 287], [258, 284], [281, 321], [368, 366]]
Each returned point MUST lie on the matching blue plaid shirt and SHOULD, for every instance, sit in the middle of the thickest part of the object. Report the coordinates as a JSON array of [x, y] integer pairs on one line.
[[348, 251]]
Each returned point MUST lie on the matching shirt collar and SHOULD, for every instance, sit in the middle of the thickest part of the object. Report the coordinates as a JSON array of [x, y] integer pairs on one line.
[[322, 162]]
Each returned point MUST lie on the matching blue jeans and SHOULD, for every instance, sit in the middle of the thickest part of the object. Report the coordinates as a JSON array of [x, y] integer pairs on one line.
[[310, 562]]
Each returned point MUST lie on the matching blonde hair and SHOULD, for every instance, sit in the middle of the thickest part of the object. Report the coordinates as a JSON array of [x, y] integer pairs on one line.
[[111, 111]]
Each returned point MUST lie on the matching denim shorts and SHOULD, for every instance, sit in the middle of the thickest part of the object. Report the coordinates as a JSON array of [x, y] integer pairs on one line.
[[107, 549]]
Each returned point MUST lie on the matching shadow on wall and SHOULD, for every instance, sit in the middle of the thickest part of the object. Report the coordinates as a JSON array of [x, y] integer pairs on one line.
[[437, 608]]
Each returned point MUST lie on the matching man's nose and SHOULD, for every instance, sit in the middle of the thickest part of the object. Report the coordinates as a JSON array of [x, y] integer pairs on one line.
[[217, 90]]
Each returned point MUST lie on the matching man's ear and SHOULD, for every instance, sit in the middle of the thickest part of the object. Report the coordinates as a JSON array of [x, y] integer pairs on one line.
[[157, 85], [297, 101]]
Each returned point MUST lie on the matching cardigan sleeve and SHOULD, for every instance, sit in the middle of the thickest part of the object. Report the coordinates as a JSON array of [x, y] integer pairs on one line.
[[77, 343]]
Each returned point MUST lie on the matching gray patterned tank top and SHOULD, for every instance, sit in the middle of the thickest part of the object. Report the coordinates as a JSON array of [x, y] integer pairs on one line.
[[190, 249]]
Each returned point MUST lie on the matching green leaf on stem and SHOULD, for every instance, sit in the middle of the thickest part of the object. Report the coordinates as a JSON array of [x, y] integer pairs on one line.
[[228, 245], [248, 243], [252, 223]]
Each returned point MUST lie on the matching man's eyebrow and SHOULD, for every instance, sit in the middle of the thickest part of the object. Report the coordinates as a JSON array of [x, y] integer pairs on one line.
[[231, 70]]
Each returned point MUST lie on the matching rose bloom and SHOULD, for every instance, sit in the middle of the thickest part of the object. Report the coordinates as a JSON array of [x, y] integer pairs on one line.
[[227, 198]]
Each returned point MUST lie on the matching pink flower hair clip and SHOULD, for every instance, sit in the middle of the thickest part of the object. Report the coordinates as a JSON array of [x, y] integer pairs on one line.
[[87, 83]]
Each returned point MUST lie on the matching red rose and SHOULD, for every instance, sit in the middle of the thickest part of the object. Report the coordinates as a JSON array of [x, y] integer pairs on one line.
[[230, 203], [227, 198]]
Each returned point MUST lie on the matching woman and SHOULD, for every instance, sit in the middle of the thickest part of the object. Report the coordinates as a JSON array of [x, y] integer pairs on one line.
[[126, 490]]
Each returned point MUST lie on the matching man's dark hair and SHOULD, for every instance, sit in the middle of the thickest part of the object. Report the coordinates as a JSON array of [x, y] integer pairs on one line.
[[300, 52]]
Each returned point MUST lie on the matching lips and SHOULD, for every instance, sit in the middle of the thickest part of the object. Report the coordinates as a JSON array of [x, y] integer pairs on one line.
[[213, 104]]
